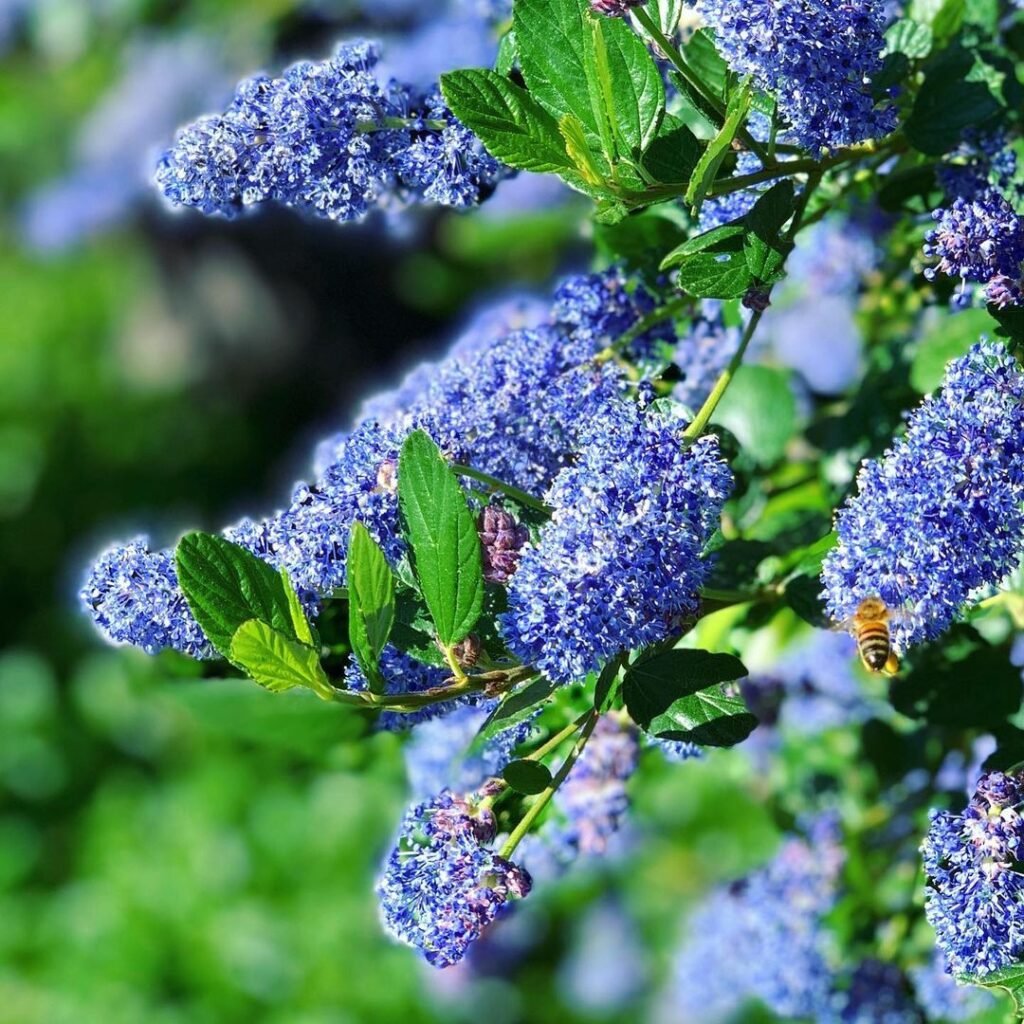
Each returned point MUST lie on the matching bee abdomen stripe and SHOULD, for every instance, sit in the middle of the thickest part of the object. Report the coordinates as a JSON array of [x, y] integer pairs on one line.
[[875, 631]]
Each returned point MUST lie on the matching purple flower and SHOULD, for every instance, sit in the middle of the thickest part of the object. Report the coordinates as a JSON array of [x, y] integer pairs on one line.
[[975, 894], [442, 885]]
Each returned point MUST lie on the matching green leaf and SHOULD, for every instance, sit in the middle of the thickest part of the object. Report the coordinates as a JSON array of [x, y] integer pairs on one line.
[[371, 603], [760, 410], [673, 155], [632, 87], [276, 662], [300, 624], [677, 695], [764, 250], [527, 777], [706, 171], [956, 94], [443, 538], [512, 125], [713, 265], [712, 276], [726, 238], [555, 45], [910, 38], [225, 585], [701, 54], [508, 54], [1009, 980]]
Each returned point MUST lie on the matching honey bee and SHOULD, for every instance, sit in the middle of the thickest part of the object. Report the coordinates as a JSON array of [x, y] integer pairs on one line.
[[869, 626]]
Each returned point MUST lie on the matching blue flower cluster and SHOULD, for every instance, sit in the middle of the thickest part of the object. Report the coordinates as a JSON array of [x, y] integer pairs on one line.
[[942, 513], [979, 236], [442, 885], [817, 57], [763, 937], [590, 806], [329, 139], [133, 595], [620, 563], [509, 400], [439, 756], [512, 405], [975, 894], [942, 998]]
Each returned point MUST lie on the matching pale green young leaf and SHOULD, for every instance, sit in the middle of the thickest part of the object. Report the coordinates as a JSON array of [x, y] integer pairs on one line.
[[371, 607], [275, 661]]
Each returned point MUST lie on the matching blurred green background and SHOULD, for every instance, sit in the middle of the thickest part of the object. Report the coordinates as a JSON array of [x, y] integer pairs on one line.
[[177, 851]]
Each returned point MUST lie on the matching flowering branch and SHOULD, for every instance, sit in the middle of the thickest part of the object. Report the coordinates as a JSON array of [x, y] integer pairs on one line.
[[404, 703], [671, 51]]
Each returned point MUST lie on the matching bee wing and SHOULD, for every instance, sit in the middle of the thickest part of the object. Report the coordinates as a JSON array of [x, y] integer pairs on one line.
[[845, 626]]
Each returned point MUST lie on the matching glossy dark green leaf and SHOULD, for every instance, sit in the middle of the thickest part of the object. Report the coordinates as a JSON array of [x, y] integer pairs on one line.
[[527, 777], [764, 249], [225, 585], [702, 56], [555, 45], [442, 534], [715, 276], [371, 602], [673, 155], [678, 695], [513, 126], [955, 95], [631, 87], [725, 239]]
